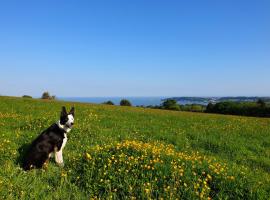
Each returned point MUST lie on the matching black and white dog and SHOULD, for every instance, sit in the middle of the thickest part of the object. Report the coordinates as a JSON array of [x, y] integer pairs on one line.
[[50, 141]]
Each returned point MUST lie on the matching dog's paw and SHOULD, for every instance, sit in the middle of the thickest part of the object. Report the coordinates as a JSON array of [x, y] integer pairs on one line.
[[61, 164], [45, 166]]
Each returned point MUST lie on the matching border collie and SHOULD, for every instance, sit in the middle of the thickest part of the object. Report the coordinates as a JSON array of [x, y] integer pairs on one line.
[[50, 141]]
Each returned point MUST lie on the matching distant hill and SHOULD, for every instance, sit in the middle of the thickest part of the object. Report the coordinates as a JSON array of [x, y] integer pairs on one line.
[[206, 100]]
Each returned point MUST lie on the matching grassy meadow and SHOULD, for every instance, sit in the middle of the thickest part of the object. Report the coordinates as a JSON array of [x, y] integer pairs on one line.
[[118, 152]]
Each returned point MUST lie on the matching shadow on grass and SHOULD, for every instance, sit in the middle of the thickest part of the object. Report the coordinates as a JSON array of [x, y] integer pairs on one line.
[[22, 153]]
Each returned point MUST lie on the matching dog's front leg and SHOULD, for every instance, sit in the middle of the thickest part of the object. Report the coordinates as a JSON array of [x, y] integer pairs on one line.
[[58, 153], [59, 158]]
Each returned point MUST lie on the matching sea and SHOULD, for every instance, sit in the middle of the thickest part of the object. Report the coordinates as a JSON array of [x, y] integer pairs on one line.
[[135, 101]]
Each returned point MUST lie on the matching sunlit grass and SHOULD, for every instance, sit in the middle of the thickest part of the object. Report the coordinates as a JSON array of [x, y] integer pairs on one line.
[[153, 170], [116, 152]]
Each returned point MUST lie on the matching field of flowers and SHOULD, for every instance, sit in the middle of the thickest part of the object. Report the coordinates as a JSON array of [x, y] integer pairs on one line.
[[134, 153]]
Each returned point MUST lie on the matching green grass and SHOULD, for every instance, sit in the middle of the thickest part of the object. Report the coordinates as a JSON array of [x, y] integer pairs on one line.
[[240, 145]]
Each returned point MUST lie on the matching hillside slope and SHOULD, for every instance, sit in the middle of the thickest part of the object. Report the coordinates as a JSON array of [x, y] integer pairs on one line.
[[240, 142]]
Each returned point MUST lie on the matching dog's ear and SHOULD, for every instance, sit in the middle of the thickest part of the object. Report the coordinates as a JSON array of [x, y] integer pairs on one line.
[[72, 111], [63, 112]]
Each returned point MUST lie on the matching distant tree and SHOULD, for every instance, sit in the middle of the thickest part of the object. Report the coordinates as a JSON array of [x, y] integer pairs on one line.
[[125, 102], [210, 107], [27, 96], [261, 103], [170, 104], [108, 103], [46, 95]]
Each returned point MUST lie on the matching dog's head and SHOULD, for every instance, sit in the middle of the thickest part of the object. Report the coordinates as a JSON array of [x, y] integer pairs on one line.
[[67, 119]]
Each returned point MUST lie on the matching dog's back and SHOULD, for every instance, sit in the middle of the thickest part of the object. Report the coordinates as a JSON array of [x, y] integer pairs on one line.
[[42, 146]]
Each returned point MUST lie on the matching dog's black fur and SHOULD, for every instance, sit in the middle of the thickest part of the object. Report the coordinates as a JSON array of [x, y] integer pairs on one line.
[[47, 142]]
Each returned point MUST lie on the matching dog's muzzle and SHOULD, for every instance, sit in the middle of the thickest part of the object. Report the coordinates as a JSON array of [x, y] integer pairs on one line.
[[70, 126]]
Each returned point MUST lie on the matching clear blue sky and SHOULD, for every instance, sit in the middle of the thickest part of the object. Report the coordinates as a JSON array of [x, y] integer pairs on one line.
[[135, 48]]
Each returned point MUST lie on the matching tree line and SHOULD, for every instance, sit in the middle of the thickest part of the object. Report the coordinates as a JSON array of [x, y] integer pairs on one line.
[[254, 109]]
